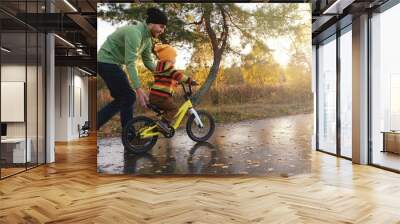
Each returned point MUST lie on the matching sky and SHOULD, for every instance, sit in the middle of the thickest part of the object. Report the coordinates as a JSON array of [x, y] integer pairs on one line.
[[280, 46]]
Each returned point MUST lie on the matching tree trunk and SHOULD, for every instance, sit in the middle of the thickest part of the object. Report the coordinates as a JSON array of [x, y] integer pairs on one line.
[[217, 51], [212, 75]]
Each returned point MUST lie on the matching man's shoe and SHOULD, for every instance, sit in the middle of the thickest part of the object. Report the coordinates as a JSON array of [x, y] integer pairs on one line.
[[164, 126]]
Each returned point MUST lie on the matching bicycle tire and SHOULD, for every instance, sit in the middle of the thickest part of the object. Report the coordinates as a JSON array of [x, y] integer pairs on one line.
[[209, 133], [128, 139]]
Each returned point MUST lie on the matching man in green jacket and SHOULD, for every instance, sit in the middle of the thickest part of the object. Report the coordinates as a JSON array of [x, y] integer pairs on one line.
[[123, 47]]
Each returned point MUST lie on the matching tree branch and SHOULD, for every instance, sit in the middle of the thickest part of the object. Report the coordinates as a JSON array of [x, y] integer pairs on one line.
[[196, 23], [228, 48], [236, 26], [210, 31], [224, 34]]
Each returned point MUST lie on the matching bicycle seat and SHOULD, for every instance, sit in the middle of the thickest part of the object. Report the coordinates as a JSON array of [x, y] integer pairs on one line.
[[155, 108]]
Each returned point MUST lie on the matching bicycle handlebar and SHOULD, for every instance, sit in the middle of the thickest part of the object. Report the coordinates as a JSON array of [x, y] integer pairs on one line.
[[188, 94]]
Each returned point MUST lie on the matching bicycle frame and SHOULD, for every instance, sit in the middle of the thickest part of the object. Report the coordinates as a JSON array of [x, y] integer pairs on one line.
[[185, 107]]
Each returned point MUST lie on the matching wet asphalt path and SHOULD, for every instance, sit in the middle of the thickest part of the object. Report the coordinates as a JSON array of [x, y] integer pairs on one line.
[[273, 146]]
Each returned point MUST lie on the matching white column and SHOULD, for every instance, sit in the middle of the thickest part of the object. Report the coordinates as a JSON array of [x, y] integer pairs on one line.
[[50, 92], [50, 110], [314, 91], [360, 90]]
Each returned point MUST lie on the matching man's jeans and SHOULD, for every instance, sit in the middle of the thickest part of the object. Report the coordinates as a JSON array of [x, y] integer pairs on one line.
[[121, 91]]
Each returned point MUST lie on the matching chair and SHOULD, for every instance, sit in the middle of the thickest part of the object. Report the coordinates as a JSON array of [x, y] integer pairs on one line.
[[84, 130]]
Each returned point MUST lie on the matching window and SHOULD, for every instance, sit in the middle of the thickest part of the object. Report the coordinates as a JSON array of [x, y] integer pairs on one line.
[[327, 96], [22, 75], [385, 89], [346, 93]]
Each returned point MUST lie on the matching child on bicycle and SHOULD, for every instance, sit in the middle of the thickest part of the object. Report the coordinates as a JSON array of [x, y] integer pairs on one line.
[[166, 78]]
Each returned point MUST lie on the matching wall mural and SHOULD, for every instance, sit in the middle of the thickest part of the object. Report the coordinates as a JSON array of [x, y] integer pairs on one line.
[[219, 89]]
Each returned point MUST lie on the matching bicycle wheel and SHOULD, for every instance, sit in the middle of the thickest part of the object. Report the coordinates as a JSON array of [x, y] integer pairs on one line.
[[197, 133], [131, 138]]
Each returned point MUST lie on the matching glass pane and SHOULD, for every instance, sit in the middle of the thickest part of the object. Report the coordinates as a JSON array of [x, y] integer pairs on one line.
[[327, 97], [41, 98], [386, 89], [31, 97], [16, 8], [23, 60], [13, 80], [346, 94]]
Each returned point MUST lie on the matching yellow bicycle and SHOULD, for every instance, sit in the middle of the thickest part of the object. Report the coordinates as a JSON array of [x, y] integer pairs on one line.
[[141, 133]]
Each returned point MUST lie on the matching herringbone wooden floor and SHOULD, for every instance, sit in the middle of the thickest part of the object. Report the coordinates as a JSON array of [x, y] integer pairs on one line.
[[71, 191]]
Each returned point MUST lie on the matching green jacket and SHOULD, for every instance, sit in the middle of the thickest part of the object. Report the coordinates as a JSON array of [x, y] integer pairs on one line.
[[124, 46]]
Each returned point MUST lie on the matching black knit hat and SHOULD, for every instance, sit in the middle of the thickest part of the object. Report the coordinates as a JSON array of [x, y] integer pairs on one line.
[[156, 16]]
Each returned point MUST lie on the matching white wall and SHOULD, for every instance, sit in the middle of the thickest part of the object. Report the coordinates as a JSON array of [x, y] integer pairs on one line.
[[12, 73], [61, 103], [80, 104], [71, 93]]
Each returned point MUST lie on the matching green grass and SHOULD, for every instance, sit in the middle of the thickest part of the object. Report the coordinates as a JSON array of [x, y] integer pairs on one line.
[[252, 111], [226, 114], [233, 104]]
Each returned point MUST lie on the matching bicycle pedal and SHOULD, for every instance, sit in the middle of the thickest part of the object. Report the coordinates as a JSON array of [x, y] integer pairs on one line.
[[169, 134]]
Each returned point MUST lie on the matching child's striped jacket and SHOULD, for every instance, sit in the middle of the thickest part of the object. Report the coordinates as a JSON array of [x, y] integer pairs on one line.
[[166, 78]]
